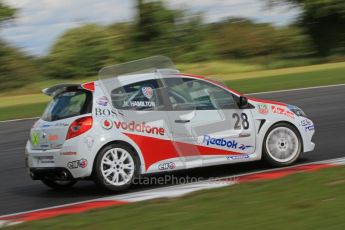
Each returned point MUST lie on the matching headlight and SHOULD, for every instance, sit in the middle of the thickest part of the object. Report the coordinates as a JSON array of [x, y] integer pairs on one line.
[[298, 111]]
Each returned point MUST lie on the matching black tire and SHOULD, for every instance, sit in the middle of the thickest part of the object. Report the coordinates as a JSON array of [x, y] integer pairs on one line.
[[268, 157], [98, 176], [59, 185]]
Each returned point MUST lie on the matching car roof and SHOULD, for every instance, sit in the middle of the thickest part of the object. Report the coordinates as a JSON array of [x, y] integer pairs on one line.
[[133, 78], [138, 77]]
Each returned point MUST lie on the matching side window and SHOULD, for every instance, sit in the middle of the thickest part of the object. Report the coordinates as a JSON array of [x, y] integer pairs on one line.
[[197, 94], [138, 96]]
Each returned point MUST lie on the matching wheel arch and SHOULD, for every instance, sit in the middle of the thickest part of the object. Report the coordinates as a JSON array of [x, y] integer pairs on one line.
[[117, 142]]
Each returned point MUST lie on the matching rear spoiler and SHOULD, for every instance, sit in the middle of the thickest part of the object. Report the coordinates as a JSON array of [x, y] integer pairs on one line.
[[51, 91], [90, 86]]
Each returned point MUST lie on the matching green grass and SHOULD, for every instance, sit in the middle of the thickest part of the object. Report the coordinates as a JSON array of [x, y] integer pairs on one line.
[[289, 81], [11, 106], [219, 67], [10, 101], [301, 201], [227, 75], [224, 70], [22, 111]]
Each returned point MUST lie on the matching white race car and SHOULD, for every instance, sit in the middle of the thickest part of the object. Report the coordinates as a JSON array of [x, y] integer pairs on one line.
[[145, 117]]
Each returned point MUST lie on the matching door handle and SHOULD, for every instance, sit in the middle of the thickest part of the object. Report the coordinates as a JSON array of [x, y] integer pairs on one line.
[[182, 121], [244, 135]]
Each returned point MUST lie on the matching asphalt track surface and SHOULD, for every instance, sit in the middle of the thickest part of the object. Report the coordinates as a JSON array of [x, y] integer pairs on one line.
[[18, 193]]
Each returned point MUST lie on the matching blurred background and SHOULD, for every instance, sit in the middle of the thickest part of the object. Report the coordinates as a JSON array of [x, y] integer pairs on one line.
[[247, 43]]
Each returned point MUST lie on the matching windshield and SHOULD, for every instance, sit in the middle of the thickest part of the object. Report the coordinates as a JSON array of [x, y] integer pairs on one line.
[[68, 104]]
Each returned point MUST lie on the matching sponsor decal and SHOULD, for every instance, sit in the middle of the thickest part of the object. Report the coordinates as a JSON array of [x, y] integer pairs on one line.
[[35, 139], [61, 124], [107, 124], [282, 111], [77, 164], [102, 101], [120, 113], [306, 122], [308, 125], [263, 109], [68, 153], [46, 159], [309, 128], [53, 137], [167, 166], [83, 163], [101, 112], [139, 127], [147, 92], [244, 147], [232, 144], [58, 124], [139, 104], [238, 157]]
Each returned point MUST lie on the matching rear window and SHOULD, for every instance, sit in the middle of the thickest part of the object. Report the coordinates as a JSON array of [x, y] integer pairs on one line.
[[68, 104]]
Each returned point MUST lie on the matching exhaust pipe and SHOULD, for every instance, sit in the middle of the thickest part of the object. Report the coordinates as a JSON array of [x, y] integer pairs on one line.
[[63, 175], [32, 175]]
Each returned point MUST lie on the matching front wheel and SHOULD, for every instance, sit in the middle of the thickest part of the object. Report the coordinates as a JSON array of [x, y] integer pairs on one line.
[[116, 167], [282, 145]]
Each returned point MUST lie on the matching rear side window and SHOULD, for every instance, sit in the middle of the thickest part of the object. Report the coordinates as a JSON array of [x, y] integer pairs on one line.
[[143, 95], [68, 104]]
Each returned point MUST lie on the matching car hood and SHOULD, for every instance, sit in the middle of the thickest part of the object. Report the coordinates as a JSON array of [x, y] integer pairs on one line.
[[254, 100]]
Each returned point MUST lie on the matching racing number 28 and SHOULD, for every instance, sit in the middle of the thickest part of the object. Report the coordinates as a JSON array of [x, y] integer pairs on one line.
[[241, 117]]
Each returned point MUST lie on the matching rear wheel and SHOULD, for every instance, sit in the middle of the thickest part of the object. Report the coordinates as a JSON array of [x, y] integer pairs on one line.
[[282, 145], [59, 184], [116, 167]]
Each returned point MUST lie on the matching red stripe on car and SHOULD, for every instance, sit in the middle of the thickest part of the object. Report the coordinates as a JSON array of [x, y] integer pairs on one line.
[[155, 149]]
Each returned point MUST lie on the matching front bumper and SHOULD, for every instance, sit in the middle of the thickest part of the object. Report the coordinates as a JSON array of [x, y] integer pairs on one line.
[[307, 131], [309, 146]]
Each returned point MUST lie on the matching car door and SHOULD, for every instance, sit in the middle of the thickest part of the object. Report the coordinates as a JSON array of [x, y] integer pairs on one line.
[[180, 113], [211, 120], [145, 121]]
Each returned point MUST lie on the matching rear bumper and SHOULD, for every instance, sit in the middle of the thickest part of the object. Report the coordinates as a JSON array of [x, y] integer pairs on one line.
[[50, 173], [73, 160]]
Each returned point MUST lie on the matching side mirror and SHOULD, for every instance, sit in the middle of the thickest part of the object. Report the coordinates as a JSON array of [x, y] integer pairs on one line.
[[243, 102]]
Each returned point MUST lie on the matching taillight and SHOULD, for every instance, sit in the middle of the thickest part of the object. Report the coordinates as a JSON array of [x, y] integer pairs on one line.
[[79, 127], [89, 86]]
